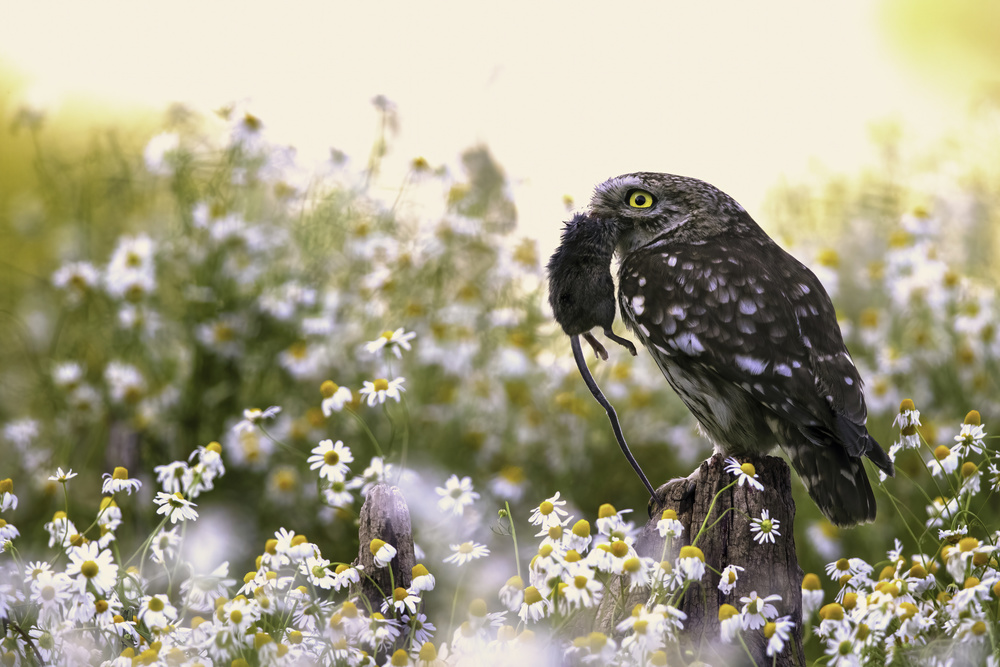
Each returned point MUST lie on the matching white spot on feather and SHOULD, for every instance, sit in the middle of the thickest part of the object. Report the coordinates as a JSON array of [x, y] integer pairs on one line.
[[644, 330], [688, 343], [848, 381], [805, 288], [747, 307], [642, 282], [783, 369], [751, 365], [671, 261], [638, 304]]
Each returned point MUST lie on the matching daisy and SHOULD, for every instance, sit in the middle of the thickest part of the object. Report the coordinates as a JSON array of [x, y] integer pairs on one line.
[[465, 552], [534, 605], [512, 593], [945, 460], [378, 390], [744, 472], [777, 633], [119, 481], [317, 570], [812, 595], [239, 614], [88, 564], [403, 601], [729, 622], [382, 552], [583, 590], [757, 611], [156, 611], [175, 506], [549, 512], [173, 477], [456, 495], [253, 416], [970, 439], [393, 340], [338, 495], [8, 501], [668, 525], [765, 528], [331, 459], [728, 578], [691, 562], [77, 279], [345, 575], [335, 397], [62, 477], [421, 580]]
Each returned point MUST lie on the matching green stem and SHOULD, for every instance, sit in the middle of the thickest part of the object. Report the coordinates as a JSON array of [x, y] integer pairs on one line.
[[694, 542]]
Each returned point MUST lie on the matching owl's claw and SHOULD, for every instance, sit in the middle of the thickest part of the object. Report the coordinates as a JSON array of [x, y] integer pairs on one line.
[[599, 350]]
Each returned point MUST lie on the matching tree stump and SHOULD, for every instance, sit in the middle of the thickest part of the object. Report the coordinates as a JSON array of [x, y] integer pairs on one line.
[[768, 568], [385, 516]]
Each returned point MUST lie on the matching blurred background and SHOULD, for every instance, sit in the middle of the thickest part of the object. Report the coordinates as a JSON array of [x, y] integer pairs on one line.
[[207, 208]]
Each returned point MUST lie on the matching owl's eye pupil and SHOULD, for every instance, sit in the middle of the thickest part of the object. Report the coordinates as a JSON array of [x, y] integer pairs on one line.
[[640, 200]]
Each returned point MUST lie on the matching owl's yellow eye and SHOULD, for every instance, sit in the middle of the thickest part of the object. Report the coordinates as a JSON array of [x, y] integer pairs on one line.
[[640, 199]]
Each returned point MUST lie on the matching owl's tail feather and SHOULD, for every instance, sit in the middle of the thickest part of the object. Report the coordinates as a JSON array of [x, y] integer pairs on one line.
[[836, 481], [879, 457]]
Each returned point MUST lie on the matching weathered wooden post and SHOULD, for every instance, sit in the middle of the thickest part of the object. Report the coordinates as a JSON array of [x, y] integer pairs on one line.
[[385, 516], [768, 568]]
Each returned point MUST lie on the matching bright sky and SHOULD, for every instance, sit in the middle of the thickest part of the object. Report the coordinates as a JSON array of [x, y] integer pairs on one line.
[[564, 94]]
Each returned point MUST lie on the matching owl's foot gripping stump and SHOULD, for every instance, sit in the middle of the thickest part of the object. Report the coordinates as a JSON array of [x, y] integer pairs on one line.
[[726, 539]]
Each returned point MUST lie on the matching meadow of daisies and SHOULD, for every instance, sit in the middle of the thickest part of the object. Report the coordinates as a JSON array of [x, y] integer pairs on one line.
[[210, 358]]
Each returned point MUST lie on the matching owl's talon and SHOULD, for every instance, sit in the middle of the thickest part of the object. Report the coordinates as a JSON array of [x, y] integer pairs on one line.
[[599, 349]]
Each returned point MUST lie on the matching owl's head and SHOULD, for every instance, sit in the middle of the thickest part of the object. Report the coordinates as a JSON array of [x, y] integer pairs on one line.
[[647, 205]]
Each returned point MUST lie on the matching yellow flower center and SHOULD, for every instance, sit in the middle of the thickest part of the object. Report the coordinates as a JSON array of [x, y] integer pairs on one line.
[[331, 458], [748, 469], [119, 473], [155, 604], [381, 384], [89, 569]]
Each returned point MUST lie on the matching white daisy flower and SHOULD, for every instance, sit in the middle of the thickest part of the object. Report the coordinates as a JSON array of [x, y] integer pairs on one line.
[[777, 633], [456, 495], [549, 512], [379, 390], [728, 578], [534, 606], [744, 472], [331, 459], [119, 481], [393, 340], [668, 525], [253, 416], [466, 552], [691, 562], [757, 611], [88, 564], [422, 580], [382, 552], [335, 397], [156, 611], [62, 477], [765, 528], [175, 506]]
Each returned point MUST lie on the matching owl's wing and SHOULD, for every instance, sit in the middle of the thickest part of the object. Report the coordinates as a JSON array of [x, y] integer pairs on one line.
[[747, 312]]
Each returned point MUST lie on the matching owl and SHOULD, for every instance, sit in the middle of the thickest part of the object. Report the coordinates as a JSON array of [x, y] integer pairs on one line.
[[743, 332]]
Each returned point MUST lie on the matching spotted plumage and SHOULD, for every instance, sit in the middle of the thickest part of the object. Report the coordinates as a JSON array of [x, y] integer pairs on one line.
[[744, 333]]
